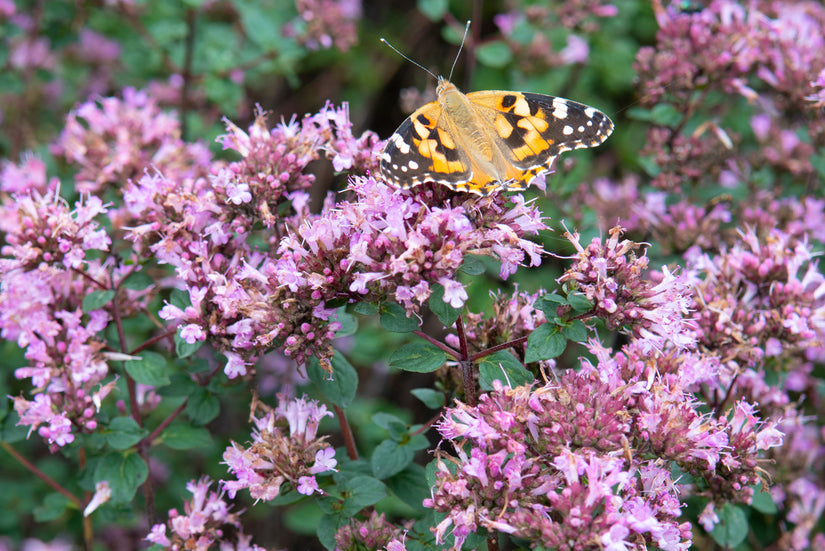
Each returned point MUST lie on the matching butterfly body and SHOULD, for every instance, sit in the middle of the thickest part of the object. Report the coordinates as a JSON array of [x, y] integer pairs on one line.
[[488, 141]]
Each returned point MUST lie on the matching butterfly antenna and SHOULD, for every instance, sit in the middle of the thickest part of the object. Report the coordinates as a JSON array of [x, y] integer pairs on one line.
[[463, 39], [408, 59]]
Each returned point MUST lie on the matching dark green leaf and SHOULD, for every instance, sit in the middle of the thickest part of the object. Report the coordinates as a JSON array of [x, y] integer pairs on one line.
[[97, 300], [180, 385], [386, 420], [183, 349], [123, 433], [366, 309], [579, 303], [150, 369], [338, 387], [180, 436], [51, 508], [349, 324], [495, 54], [179, 298], [138, 281], [390, 458], [763, 501], [327, 527], [410, 485], [473, 265], [202, 406], [665, 114], [446, 313], [420, 357], [576, 331], [732, 528], [544, 343], [125, 473], [433, 399], [505, 367], [818, 162], [363, 491], [10, 431], [394, 318], [434, 10]]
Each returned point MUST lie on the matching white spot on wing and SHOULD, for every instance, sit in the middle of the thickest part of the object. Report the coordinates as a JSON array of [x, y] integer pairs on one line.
[[560, 108], [413, 165], [567, 130]]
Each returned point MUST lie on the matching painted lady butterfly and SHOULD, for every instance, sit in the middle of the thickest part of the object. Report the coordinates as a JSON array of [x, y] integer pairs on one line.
[[490, 141]]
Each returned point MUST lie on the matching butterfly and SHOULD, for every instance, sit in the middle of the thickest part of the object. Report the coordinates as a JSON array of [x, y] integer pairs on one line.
[[489, 141]]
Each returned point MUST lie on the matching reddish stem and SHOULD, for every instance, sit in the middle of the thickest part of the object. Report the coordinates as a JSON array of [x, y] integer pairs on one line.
[[349, 440]]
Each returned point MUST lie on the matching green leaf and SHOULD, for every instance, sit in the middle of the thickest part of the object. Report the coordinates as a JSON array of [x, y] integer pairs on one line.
[[665, 114], [390, 458], [52, 507], [472, 265], [184, 349], [434, 10], [732, 528], [410, 485], [366, 309], [180, 298], [419, 357], [505, 367], [202, 406], [125, 473], [327, 527], [579, 303], [496, 54], [363, 491], [180, 436], [150, 369], [433, 399], [123, 433], [576, 331], [387, 420], [818, 162], [349, 324], [338, 387], [97, 300], [763, 501], [446, 313], [10, 431], [138, 281], [544, 343], [394, 318]]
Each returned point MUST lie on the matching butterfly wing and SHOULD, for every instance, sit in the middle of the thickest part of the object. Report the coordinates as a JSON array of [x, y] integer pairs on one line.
[[421, 150], [533, 129]]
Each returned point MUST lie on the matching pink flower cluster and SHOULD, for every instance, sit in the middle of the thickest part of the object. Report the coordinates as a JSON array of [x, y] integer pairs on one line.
[[611, 275], [325, 23], [375, 532], [285, 448], [113, 140], [41, 309], [207, 520], [588, 458], [761, 299]]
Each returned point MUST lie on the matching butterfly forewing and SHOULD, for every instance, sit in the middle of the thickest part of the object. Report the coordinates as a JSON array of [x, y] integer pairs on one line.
[[535, 127]]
